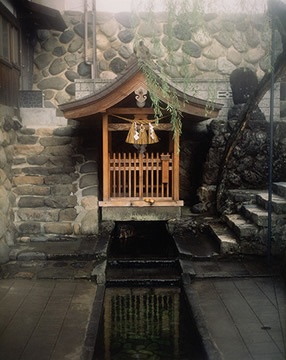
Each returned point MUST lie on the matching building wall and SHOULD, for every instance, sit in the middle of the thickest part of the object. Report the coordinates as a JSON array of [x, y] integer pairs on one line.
[[64, 59], [55, 179], [54, 4], [9, 124], [62, 63]]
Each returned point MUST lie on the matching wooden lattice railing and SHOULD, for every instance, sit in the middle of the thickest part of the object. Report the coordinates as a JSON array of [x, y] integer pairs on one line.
[[141, 176]]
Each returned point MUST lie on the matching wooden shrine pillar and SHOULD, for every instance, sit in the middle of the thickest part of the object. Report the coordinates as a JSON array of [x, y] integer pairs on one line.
[[176, 167], [105, 157]]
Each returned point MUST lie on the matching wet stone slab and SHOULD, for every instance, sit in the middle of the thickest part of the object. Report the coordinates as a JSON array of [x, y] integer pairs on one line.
[[40, 250], [69, 270], [44, 319], [236, 268]]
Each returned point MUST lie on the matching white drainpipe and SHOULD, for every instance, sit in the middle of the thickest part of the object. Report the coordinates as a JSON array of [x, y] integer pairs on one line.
[[95, 72], [86, 58]]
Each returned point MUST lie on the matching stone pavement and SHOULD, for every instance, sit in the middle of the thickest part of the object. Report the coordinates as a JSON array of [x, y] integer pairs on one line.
[[49, 305], [67, 260], [240, 309], [50, 310], [44, 319], [245, 317]]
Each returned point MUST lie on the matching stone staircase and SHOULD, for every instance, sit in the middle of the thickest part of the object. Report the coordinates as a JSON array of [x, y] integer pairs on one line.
[[246, 230]]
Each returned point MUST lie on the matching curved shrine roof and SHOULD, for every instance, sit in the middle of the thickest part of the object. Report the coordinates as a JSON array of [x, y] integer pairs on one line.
[[126, 83]]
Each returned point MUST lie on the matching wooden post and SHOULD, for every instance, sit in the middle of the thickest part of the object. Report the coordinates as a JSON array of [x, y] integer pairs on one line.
[[176, 168], [140, 175], [105, 158], [165, 168]]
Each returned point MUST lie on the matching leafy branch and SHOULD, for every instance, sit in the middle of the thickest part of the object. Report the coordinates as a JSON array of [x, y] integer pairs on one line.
[[157, 86]]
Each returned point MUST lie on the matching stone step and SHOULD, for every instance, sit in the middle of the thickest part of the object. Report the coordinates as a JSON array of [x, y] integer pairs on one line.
[[142, 276], [280, 189], [69, 248], [257, 215], [43, 231], [241, 227], [141, 263], [243, 196], [225, 237], [187, 268], [278, 202]]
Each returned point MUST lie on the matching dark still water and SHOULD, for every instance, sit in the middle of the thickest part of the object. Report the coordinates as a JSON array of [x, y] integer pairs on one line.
[[147, 323]]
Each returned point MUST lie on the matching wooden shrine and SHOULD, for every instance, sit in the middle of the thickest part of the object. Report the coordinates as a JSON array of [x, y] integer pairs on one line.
[[140, 157]]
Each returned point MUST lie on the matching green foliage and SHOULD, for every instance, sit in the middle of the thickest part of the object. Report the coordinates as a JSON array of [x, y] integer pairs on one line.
[[156, 86], [211, 98], [168, 58], [183, 17]]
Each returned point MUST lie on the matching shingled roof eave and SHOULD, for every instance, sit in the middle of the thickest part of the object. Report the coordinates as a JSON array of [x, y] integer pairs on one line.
[[92, 104]]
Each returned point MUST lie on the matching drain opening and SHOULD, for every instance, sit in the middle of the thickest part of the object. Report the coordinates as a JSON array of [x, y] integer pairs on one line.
[[265, 327]]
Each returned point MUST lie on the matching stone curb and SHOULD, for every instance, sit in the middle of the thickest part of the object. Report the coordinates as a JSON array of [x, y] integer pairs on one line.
[[197, 313], [93, 324]]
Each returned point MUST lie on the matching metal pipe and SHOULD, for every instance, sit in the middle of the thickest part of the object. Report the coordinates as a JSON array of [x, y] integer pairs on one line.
[[86, 59], [270, 166], [95, 72]]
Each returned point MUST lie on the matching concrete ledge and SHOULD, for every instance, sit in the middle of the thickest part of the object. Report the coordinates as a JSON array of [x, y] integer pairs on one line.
[[213, 353], [93, 324], [41, 117], [226, 239], [162, 213]]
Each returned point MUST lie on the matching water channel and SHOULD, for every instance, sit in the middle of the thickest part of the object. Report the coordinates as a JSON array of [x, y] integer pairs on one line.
[[145, 312]]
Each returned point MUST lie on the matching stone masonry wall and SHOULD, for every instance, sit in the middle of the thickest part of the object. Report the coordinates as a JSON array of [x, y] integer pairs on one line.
[[227, 43], [248, 165], [54, 185], [9, 124], [202, 152]]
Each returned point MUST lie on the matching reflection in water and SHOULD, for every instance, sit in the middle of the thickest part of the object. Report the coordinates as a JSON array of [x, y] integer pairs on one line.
[[146, 323]]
